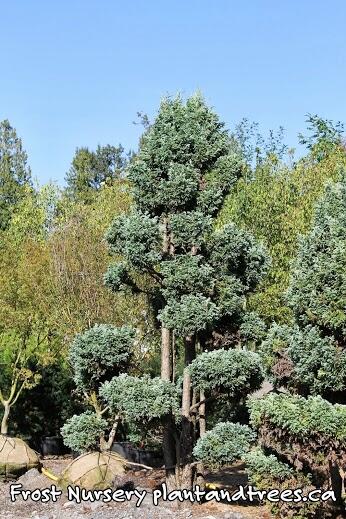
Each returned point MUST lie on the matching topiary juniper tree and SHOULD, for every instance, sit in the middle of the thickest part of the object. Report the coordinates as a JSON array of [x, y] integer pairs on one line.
[[199, 276], [96, 355], [309, 357]]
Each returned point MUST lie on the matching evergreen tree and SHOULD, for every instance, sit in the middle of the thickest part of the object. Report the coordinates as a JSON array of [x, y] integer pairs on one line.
[[200, 277], [90, 170], [15, 174], [309, 357], [96, 355]]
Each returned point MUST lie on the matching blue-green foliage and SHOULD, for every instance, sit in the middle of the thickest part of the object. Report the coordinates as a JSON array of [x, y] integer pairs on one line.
[[186, 141], [301, 358], [235, 252], [235, 372], [117, 277], [226, 443], [189, 228], [310, 355], [187, 274], [100, 353], [252, 328], [190, 314], [198, 277], [82, 432], [185, 166], [300, 418], [140, 399], [317, 292], [136, 237], [265, 470]]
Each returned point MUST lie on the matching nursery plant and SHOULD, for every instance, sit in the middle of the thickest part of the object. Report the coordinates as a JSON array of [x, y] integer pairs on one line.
[[306, 426], [196, 277], [96, 355]]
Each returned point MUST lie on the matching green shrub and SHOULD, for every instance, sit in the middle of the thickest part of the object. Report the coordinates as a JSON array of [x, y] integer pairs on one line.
[[236, 372], [189, 314], [300, 418], [224, 444], [304, 359], [100, 353], [266, 471], [140, 399], [82, 432]]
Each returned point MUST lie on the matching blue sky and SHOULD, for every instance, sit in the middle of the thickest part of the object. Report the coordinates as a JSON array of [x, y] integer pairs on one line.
[[74, 73]]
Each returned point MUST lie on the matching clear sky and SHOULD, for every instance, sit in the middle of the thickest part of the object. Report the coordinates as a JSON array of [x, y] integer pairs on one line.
[[75, 72]]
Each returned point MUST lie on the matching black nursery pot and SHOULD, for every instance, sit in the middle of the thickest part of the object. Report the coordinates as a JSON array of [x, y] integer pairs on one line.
[[52, 446], [135, 455]]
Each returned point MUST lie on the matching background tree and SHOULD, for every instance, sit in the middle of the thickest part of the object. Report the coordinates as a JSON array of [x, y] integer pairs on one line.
[[90, 170], [26, 338], [15, 174], [78, 260], [324, 136], [275, 201]]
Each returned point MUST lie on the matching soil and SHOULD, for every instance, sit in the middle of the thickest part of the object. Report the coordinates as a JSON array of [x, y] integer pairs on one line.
[[140, 479]]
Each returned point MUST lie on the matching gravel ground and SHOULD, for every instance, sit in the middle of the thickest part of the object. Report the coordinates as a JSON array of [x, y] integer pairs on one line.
[[65, 509]]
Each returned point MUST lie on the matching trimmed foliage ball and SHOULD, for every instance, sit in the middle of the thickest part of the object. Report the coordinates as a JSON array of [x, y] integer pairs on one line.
[[100, 353], [236, 372], [265, 470], [224, 444], [81, 433], [140, 399]]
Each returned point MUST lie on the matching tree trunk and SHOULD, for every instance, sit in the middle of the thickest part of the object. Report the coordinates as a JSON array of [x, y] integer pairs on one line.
[[202, 430], [336, 481], [169, 456], [4, 423], [186, 440], [166, 354], [168, 444], [112, 434]]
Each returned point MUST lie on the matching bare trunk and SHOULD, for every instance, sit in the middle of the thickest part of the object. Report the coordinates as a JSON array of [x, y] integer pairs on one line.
[[112, 434], [168, 445], [4, 422], [336, 481], [167, 359], [165, 241], [202, 419], [186, 443], [169, 453], [166, 354], [202, 430]]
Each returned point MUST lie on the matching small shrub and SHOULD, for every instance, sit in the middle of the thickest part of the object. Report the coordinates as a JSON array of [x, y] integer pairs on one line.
[[224, 444], [82, 432]]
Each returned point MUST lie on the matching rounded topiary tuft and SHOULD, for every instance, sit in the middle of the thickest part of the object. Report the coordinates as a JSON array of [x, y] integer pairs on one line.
[[226, 443], [100, 353], [236, 372], [82, 432]]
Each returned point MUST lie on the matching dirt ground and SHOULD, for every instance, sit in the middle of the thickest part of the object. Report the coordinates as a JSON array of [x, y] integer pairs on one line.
[[148, 480]]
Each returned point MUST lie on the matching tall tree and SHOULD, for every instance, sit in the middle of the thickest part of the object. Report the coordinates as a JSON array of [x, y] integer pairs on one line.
[[15, 173], [90, 170], [185, 166], [26, 339]]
